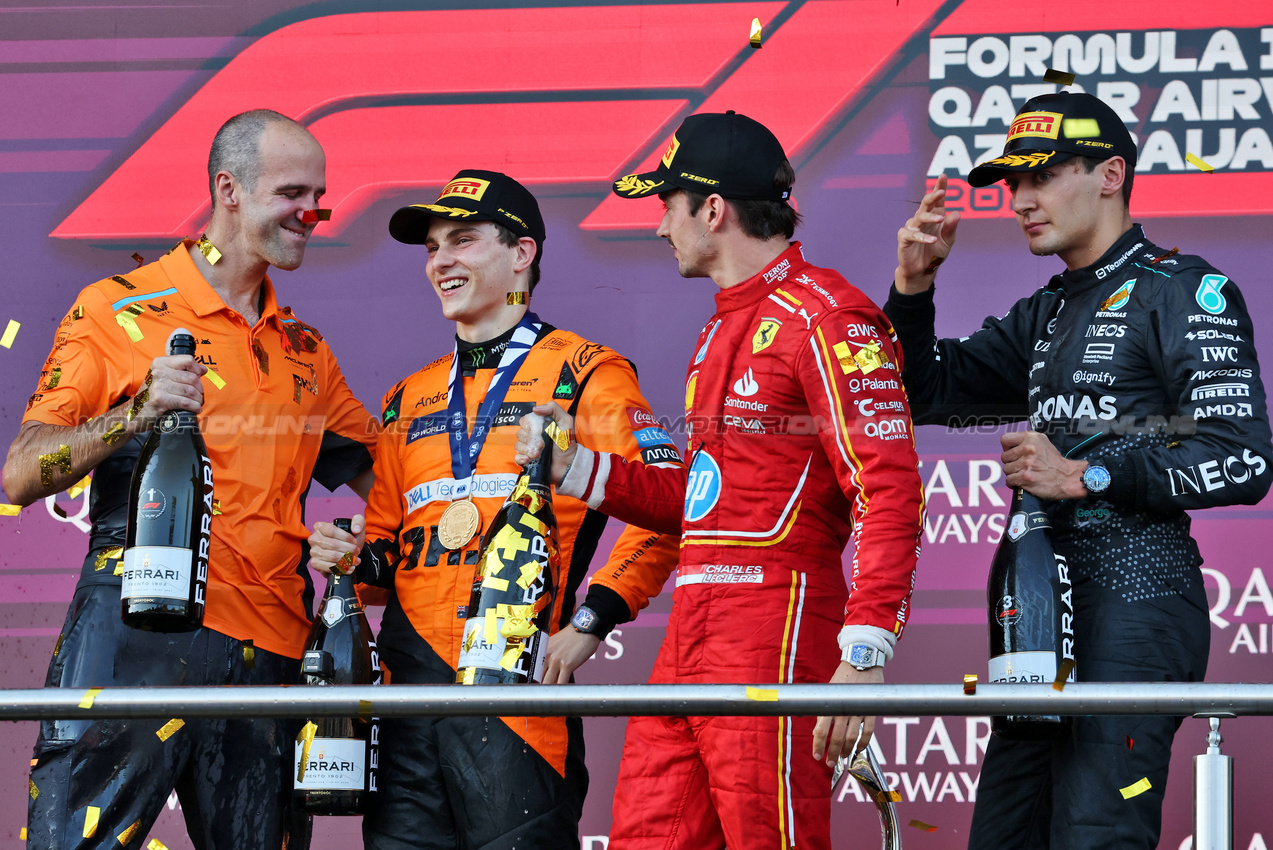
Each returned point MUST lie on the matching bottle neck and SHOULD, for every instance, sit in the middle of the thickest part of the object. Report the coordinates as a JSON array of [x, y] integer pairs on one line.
[[538, 472]]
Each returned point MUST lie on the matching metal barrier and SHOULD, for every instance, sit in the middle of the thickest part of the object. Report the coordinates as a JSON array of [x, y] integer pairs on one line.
[[1213, 772]]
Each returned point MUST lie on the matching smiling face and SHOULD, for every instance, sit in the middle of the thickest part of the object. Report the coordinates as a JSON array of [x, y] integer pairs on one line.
[[472, 272], [291, 180]]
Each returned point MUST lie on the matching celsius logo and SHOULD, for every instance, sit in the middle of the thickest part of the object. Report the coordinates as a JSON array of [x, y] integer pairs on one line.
[[702, 490], [746, 385]]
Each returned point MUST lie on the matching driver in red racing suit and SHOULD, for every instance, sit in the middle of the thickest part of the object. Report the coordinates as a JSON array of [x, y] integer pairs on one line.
[[800, 436]]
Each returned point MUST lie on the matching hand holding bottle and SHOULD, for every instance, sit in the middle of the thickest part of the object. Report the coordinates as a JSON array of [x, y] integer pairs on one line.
[[332, 550]]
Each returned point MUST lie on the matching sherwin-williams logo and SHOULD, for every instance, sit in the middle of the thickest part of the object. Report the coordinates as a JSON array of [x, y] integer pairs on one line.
[[1209, 296], [469, 187], [670, 153], [1119, 299], [1043, 125]]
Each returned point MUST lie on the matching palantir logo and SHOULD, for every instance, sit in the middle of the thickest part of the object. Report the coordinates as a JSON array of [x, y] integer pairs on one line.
[[702, 491], [746, 385]]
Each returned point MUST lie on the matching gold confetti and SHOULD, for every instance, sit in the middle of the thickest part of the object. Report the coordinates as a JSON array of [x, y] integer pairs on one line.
[[35, 792], [127, 835], [1081, 128], [757, 32], [559, 436], [315, 216], [55, 378], [1061, 78], [91, 815], [129, 324], [1063, 673], [77, 313], [364, 710], [306, 740], [533, 523], [10, 332], [168, 729], [89, 696], [490, 628], [113, 434], [143, 396], [111, 554], [1167, 256], [22, 834], [970, 683], [216, 507], [80, 487], [934, 264], [516, 298], [141, 261], [1199, 163], [209, 251], [56, 649], [1136, 788], [10, 510], [122, 281], [249, 654], [762, 694], [530, 572], [495, 583], [119, 568], [156, 844], [60, 459], [262, 357], [217, 380], [927, 827], [509, 659], [345, 565]]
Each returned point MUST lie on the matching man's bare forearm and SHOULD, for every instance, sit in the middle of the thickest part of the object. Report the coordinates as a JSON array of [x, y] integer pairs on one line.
[[47, 459]]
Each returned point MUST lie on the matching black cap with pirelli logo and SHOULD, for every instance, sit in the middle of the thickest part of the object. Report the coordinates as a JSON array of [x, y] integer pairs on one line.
[[1051, 128], [474, 195]]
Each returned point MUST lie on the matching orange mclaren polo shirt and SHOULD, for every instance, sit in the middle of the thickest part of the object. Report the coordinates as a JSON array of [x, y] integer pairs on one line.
[[276, 412]]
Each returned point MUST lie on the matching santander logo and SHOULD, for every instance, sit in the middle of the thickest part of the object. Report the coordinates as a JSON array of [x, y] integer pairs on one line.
[[746, 385]]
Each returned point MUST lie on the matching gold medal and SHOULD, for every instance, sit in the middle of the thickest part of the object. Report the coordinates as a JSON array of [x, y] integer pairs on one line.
[[458, 523]]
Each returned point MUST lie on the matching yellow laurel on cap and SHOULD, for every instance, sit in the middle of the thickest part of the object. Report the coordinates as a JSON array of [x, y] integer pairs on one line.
[[632, 185], [448, 211], [1029, 160]]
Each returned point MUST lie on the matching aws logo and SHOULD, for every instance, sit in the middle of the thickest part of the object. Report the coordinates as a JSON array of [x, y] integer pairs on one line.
[[634, 71]]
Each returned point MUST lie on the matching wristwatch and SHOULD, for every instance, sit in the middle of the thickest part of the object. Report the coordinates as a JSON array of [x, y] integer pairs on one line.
[[1096, 478], [586, 621], [863, 656]]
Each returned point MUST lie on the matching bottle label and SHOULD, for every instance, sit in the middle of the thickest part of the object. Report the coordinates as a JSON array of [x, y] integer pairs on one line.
[[1025, 667], [157, 572], [335, 764], [475, 651]]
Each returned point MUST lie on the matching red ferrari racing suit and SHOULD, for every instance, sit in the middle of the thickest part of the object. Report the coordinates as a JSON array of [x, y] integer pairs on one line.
[[801, 440]]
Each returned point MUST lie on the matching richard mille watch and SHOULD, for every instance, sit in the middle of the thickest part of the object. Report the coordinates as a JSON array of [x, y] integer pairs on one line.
[[1096, 478], [863, 656], [586, 621]]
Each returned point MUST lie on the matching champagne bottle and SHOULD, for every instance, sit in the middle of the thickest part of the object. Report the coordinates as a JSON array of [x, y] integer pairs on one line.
[[510, 608], [169, 528], [337, 757], [1031, 613]]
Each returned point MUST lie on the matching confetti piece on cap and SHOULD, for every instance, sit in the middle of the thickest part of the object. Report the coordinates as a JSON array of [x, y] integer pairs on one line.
[[89, 696], [127, 835], [762, 694], [970, 683], [364, 709], [1167, 256], [217, 380], [166, 731], [141, 261], [10, 510], [129, 324], [10, 331], [1136, 788], [927, 827], [516, 298], [315, 216], [757, 32], [1067, 667], [80, 487], [1061, 78], [156, 844], [91, 815], [1081, 128], [1199, 163], [249, 654], [34, 791]]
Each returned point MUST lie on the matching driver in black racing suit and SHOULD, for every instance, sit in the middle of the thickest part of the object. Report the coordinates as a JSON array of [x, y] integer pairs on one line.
[[1138, 374]]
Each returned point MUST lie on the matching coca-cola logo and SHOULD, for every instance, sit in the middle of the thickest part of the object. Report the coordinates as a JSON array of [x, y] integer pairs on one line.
[[641, 418], [153, 503], [1008, 611]]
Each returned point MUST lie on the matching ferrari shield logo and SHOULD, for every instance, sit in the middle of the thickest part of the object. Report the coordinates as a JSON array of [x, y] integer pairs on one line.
[[765, 335]]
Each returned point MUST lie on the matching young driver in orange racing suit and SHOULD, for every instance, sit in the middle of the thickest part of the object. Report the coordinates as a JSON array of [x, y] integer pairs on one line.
[[485, 782], [800, 440]]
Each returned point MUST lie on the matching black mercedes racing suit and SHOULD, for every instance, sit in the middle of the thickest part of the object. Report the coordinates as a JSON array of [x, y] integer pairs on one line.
[[1145, 362]]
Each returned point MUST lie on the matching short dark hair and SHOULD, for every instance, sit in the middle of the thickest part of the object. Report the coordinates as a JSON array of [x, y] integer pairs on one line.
[[236, 148], [1089, 164], [510, 239], [760, 219]]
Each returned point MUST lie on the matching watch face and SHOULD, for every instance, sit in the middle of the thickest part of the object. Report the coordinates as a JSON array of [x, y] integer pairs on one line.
[[584, 620], [862, 655], [1096, 479]]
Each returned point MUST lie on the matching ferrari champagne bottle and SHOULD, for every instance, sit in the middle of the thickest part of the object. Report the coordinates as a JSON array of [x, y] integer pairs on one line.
[[165, 573], [510, 607], [1031, 614], [337, 757]]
